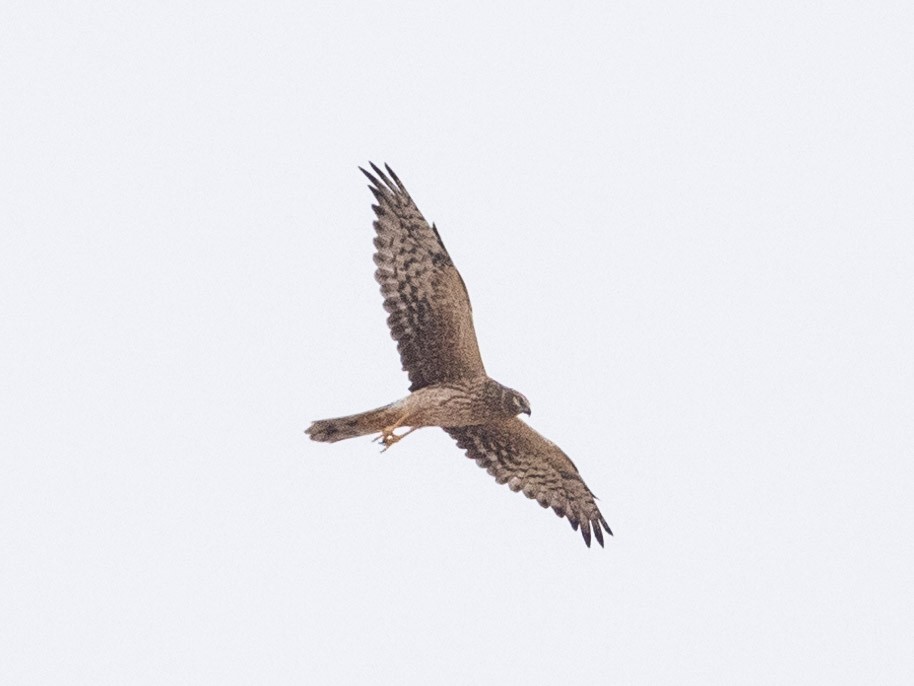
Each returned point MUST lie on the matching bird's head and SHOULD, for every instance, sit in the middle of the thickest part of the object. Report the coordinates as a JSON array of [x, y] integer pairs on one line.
[[518, 403], [505, 401]]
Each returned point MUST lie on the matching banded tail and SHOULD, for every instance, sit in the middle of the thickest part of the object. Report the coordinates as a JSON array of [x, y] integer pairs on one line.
[[362, 424]]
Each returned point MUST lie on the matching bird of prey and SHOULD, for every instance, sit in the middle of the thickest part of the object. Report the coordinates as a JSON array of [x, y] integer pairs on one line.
[[430, 317]]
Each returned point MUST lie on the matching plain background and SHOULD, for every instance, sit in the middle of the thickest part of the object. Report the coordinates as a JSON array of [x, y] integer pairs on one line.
[[688, 233]]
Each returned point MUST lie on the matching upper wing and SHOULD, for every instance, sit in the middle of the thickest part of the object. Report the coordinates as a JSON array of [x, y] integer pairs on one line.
[[515, 454], [430, 314]]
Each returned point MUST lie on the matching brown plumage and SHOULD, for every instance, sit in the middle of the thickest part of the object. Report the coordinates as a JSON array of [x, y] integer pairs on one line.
[[430, 317]]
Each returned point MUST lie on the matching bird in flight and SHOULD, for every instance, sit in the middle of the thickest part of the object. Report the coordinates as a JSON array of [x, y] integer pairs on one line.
[[430, 317]]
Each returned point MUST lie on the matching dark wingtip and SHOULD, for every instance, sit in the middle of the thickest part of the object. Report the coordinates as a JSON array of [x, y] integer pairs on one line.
[[389, 181], [396, 179], [382, 175], [371, 177], [389, 186]]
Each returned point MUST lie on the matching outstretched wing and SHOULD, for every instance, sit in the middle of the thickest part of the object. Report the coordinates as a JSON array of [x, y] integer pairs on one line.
[[517, 455], [428, 305]]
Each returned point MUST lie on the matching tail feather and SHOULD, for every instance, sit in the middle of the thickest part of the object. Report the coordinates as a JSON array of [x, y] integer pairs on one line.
[[362, 424]]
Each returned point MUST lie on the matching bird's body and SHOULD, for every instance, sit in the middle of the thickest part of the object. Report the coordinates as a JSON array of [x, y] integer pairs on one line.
[[452, 404], [430, 317]]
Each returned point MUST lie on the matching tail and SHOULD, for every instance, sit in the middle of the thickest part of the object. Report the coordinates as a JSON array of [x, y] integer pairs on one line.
[[362, 424]]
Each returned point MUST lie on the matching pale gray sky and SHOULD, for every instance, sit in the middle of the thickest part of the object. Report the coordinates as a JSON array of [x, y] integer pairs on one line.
[[688, 234]]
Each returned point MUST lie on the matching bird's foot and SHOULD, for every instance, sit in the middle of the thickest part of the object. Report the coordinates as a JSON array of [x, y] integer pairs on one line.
[[388, 437]]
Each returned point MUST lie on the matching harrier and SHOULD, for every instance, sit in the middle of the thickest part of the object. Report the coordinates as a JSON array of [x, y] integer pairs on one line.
[[431, 319]]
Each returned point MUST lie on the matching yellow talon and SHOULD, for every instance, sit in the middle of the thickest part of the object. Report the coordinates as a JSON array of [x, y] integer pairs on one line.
[[388, 437]]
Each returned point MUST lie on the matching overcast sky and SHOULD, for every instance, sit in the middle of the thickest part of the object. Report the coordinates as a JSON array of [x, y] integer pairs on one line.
[[687, 230]]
